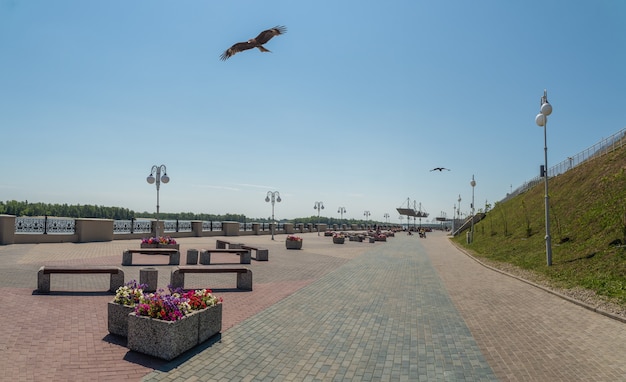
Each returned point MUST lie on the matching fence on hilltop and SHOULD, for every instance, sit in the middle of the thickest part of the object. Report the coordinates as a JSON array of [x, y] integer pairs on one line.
[[605, 146]]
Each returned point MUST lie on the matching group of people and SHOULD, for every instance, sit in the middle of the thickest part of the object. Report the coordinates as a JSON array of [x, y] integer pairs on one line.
[[421, 231]]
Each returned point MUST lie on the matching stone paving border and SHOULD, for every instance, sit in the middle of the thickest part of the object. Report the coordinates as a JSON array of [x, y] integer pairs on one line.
[[526, 333]]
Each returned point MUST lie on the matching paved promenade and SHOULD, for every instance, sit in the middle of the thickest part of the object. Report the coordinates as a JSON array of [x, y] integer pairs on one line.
[[409, 309]]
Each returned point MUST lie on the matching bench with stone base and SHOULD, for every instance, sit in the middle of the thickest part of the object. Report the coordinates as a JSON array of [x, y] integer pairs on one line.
[[43, 276], [244, 255], [262, 254], [174, 254], [244, 275], [223, 244]]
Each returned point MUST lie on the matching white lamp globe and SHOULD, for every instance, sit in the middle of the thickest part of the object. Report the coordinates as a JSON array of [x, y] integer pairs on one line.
[[546, 109], [165, 178], [150, 179], [540, 119]]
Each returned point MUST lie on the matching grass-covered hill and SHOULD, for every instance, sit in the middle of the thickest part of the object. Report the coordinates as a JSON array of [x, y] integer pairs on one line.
[[587, 225]]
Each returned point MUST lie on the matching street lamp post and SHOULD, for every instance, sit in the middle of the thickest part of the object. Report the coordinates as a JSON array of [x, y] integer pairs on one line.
[[341, 210], [273, 196], [319, 206], [386, 216], [151, 180], [453, 217], [473, 184], [367, 215], [542, 120]]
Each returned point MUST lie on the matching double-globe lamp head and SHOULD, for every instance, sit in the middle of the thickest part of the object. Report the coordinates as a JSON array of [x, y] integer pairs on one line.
[[545, 111], [267, 199], [164, 179]]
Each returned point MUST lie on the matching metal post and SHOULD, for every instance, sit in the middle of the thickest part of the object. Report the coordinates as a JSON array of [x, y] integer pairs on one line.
[[542, 120]]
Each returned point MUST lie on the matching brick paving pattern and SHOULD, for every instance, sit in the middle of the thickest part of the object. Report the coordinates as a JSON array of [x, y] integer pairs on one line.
[[409, 309]]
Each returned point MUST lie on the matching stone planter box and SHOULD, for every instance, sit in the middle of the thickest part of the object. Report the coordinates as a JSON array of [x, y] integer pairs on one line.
[[169, 339], [209, 322], [293, 244], [339, 240], [372, 240], [118, 318], [162, 339]]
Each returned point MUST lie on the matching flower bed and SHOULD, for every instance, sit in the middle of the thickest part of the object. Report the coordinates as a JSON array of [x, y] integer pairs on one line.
[[339, 238], [126, 297], [293, 242], [159, 242], [165, 325]]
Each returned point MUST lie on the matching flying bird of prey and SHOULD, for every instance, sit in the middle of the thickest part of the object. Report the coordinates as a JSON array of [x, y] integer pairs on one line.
[[256, 42], [440, 169]]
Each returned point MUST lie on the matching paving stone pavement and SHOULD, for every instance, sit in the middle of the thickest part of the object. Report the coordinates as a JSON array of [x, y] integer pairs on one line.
[[410, 309]]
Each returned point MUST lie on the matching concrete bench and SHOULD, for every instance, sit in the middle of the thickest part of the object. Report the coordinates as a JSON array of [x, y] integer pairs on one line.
[[43, 276], [262, 254], [223, 244], [244, 255], [174, 254], [244, 275]]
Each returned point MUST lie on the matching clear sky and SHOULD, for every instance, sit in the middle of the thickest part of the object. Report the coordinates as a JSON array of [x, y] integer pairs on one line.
[[355, 105]]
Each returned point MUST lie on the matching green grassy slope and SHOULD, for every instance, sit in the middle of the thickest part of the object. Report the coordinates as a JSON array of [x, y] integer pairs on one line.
[[587, 220]]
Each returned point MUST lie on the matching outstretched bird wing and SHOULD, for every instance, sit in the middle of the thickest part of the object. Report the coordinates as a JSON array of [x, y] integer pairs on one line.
[[267, 35], [238, 47], [256, 42], [440, 169]]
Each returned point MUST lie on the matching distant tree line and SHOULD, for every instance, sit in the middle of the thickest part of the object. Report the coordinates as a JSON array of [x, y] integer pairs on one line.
[[13, 207]]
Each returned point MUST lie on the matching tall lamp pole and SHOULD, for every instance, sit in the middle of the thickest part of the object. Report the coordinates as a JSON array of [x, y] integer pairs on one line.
[[473, 184], [273, 196], [453, 217], [319, 206], [341, 210], [386, 216], [542, 120], [151, 180], [367, 216]]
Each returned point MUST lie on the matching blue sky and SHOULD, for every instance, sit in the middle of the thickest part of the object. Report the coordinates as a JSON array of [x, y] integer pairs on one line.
[[353, 107]]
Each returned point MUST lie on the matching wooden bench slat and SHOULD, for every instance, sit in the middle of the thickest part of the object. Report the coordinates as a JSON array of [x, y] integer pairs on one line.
[[48, 270], [154, 250], [244, 255], [116, 279], [222, 250], [211, 269], [244, 275], [174, 254]]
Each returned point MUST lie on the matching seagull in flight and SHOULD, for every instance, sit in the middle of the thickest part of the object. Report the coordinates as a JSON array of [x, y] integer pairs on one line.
[[440, 169]]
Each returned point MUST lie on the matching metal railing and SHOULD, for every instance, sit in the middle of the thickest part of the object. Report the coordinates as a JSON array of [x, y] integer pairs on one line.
[[45, 225], [605, 146]]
